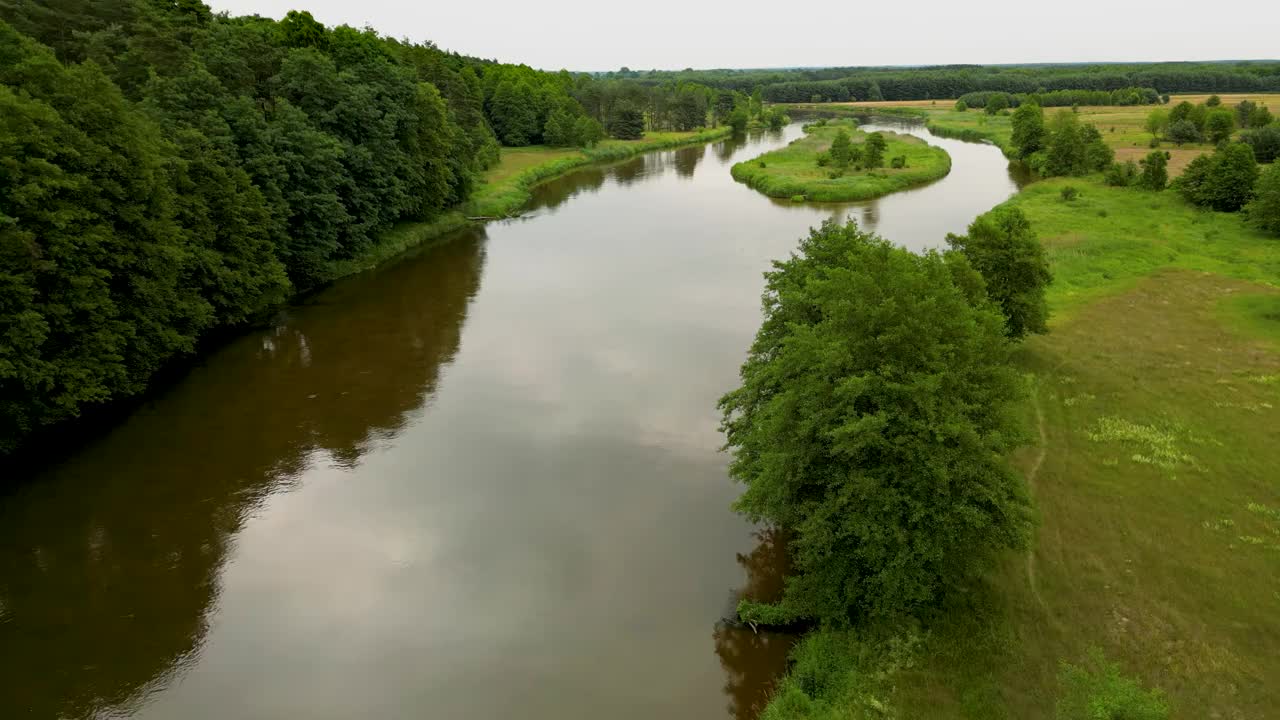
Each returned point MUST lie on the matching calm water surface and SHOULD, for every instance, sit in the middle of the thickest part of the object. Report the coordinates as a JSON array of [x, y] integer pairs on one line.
[[483, 482]]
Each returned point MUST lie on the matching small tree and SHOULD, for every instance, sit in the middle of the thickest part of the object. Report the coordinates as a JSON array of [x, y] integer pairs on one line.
[[1157, 122], [587, 131], [841, 150], [1183, 131], [1220, 125], [1223, 181], [558, 131], [1260, 117], [1265, 142], [1001, 246], [1155, 170], [962, 106], [873, 150], [738, 119], [1244, 111], [1122, 174], [1264, 209], [873, 423], [997, 102], [1213, 101], [1028, 129]]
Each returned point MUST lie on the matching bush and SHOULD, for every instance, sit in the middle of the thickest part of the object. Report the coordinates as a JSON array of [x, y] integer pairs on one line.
[[1001, 246], [1155, 142], [1098, 691], [1264, 209], [1223, 181], [1122, 174], [1265, 142], [961, 106], [1069, 193], [1155, 170], [1183, 131], [1213, 101], [898, 162]]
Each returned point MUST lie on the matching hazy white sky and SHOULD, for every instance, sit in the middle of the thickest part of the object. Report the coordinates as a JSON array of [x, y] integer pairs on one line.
[[666, 34]]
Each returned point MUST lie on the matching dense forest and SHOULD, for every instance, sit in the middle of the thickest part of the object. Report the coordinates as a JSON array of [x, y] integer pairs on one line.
[[952, 81], [167, 171]]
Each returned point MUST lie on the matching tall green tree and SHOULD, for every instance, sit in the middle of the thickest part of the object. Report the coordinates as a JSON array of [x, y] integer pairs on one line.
[[1223, 181], [1028, 129], [872, 423], [1264, 210], [1155, 170], [627, 123], [1001, 246], [873, 150], [1220, 125]]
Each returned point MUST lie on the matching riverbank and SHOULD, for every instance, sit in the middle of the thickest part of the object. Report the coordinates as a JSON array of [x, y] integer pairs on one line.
[[508, 185], [794, 171], [1151, 405]]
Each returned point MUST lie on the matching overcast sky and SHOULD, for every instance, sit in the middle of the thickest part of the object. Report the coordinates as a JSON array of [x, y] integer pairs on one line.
[[665, 34]]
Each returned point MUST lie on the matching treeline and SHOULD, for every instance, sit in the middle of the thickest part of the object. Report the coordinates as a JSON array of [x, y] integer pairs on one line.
[[930, 83], [1064, 98]]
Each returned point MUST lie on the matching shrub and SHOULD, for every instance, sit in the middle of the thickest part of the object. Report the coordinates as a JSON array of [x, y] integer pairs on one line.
[[1265, 142], [898, 162], [1264, 209], [1223, 181], [1213, 101], [1155, 170], [1001, 246], [1098, 691], [824, 159], [961, 106], [1069, 193], [1122, 174], [1183, 131]]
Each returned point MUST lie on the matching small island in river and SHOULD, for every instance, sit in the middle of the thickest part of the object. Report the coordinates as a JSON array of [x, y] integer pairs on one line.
[[837, 162]]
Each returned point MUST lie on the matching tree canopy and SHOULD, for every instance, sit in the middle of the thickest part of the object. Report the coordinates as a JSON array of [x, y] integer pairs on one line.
[[871, 423]]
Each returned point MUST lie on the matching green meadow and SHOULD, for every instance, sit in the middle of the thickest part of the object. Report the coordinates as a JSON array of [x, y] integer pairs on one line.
[[794, 172]]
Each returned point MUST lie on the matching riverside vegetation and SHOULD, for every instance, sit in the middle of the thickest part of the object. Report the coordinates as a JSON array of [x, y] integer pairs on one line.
[[1146, 587], [172, 172], [835, 161]]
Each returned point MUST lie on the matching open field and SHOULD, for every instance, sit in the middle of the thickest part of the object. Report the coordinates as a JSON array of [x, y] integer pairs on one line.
[[506, 185], [793, 171]]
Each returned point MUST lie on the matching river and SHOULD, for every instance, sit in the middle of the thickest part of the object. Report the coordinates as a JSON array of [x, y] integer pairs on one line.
[[483, 481]]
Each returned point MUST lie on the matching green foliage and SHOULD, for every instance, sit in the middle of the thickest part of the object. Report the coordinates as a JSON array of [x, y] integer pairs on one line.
[[627, 123], [841, 152], [559, 130], [1223, 181], [738, 120], [587, 131], [873, 148], [898, 162], [1213, 101], [1264, 210], [1073, 148], [776, 118], [1183, 131], [1220, 125], [1121, 174], [1155, 170], [1260, 117], [1265, 142], [1244, 111], [872, 423], [844, 675], [1098, 690], [996, 103], [1069, 193], [1157, 122], [1028, 129], [1002, 248], [961, 106]]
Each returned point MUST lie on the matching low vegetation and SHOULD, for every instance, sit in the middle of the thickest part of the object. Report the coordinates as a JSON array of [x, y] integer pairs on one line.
[[836, 162]]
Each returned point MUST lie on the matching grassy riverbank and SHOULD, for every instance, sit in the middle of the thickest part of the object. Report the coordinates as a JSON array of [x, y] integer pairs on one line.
[[507, 186], [793, 171], [1153, 404]]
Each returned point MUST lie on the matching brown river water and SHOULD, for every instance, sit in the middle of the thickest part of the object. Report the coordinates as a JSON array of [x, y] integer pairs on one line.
[[483, 481]]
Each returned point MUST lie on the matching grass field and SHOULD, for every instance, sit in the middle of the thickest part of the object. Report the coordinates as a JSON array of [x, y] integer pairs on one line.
[[793, 171], [506, 186], [1153, 406]]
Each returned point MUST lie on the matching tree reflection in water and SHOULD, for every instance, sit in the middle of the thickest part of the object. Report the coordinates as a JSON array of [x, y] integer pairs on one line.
[[753, 661]]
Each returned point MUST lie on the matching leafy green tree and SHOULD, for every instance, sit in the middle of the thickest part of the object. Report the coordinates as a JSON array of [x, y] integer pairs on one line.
[[1223, 181], [961, 106], [1260, 117], [299, 29], [775, 118], [1098, 155], [1265, 142], [1183, 131], [689, 109], [1213, 101], [1244, 111], [1220, 125], [1098, 690], [587, 131], [841, 149], [1264, 210], [1028, 129], [627, 123], [512, 112], [1122, 174], [873, 150], [1155, 170], [738, 120], [996, 103], [872, 423], [1157, 122], [1001, 246], [559, 129]]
